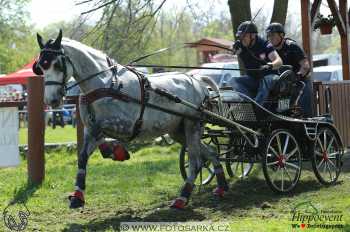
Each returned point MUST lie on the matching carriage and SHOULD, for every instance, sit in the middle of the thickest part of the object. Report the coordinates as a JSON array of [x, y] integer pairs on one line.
[[275, 135], [121, 103]]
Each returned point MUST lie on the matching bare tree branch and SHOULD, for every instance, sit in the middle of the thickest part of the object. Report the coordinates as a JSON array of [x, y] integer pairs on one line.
[[159, 7], [99, 7], [83, 2]]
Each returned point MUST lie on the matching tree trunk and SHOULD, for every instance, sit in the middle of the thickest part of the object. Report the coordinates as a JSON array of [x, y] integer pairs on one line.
[[279, 13], [240, 12]]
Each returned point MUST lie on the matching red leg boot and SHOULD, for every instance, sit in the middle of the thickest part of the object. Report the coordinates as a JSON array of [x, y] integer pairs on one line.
[[120, 153], [222, 183], [105, 150], [182, 201]]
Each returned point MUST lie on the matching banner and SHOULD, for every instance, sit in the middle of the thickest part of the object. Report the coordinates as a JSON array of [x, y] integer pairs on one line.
[[9, 151]]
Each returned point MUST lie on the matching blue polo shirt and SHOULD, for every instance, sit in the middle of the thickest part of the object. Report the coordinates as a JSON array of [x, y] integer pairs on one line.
[[256, 56]]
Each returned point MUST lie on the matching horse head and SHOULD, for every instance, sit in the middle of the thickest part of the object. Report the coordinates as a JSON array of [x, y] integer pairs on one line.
[[54, 66]]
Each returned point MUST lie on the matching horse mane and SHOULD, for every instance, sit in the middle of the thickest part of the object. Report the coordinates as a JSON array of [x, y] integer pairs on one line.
[[96, 54]]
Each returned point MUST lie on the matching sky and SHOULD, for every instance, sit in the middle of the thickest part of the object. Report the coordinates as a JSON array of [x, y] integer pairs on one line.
[[44, 12]]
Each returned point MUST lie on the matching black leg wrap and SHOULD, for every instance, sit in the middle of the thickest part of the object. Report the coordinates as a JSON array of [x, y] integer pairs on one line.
[[75, 203], [186, 190], [220, 178], [80, 181]]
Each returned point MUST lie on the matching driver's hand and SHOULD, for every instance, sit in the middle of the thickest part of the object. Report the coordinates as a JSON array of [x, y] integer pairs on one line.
[[237, 46], [266, 67], [300, 76]]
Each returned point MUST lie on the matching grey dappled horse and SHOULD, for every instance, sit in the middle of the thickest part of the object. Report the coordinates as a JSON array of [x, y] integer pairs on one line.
[[115, 117]]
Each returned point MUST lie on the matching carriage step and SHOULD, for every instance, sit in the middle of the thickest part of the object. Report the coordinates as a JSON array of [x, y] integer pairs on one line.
[[310, 132]]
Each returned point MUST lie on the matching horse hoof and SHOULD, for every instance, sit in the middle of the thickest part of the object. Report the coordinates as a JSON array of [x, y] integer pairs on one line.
[[76, 200], [219, 192], [179, 203], [75, 203]]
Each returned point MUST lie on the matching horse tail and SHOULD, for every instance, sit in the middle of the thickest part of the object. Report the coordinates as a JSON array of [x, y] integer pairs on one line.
[[216, 89]]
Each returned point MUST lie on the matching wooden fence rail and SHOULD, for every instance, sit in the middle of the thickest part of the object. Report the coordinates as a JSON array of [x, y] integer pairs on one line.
[[339, 104]]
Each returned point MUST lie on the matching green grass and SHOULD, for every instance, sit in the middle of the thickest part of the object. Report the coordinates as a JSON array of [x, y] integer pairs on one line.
[[141, 189], [57, 135]]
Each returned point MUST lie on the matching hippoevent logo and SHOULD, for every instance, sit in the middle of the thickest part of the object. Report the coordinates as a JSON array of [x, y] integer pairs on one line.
[[306, 215], [16, 216]]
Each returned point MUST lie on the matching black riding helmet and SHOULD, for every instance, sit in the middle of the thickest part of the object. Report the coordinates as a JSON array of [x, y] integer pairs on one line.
[[275, 27], [246, 27]]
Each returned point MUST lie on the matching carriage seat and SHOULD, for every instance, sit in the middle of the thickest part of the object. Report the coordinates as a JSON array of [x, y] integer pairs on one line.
[[285, 86], [285, 94]]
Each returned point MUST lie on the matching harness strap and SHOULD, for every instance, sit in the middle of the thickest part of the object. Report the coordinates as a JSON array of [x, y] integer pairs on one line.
[[102, 93], [120, 95], [143, 84]]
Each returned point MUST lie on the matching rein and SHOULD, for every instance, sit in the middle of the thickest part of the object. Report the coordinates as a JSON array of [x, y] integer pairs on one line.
[[111, 68], [190, 67]]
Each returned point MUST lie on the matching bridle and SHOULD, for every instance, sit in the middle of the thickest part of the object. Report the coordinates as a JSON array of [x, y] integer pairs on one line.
[[59, 64]]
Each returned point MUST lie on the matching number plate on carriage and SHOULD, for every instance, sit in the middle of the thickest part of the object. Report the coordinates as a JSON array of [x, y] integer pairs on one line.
[[283, 104]]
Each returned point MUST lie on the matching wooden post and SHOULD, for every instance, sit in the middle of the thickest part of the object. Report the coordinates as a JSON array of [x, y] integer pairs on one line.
[[306, 28], [344, 39], [306, 34], [36, 130], [315, 8], [80, 127]]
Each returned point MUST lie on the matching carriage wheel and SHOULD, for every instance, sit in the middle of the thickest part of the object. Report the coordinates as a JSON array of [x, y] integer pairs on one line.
[[282, 161], [238, 169], [326, 160], [207, 171]]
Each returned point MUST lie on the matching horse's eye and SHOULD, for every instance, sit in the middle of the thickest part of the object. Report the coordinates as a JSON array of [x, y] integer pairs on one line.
[[45, 64]]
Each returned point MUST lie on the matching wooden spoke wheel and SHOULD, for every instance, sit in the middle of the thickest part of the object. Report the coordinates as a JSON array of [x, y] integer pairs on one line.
[[282, 161], [326, 159]]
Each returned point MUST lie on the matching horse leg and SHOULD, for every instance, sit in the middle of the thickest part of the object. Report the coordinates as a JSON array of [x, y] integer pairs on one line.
[[211, 155], [77, 197], [193, 136]]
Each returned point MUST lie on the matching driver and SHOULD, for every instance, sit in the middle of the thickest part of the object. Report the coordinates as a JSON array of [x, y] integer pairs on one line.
[[292, 54], [259, 59]]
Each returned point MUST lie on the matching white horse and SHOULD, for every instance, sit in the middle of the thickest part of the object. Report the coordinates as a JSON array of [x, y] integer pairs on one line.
[[118, 103]]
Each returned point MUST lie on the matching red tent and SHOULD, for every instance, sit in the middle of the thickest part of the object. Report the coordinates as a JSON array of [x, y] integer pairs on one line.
[[20, 76]]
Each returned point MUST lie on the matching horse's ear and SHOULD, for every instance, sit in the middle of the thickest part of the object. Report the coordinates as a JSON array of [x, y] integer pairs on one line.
[[36, 69], [40, 40], [57, 43]]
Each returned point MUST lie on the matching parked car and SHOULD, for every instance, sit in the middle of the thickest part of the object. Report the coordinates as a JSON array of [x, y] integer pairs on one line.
[[328, 73], [61, 117], [221, 77]]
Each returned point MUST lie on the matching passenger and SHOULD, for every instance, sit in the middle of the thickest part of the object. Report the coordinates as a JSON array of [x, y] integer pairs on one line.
[[292, 54], [259, 59]]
